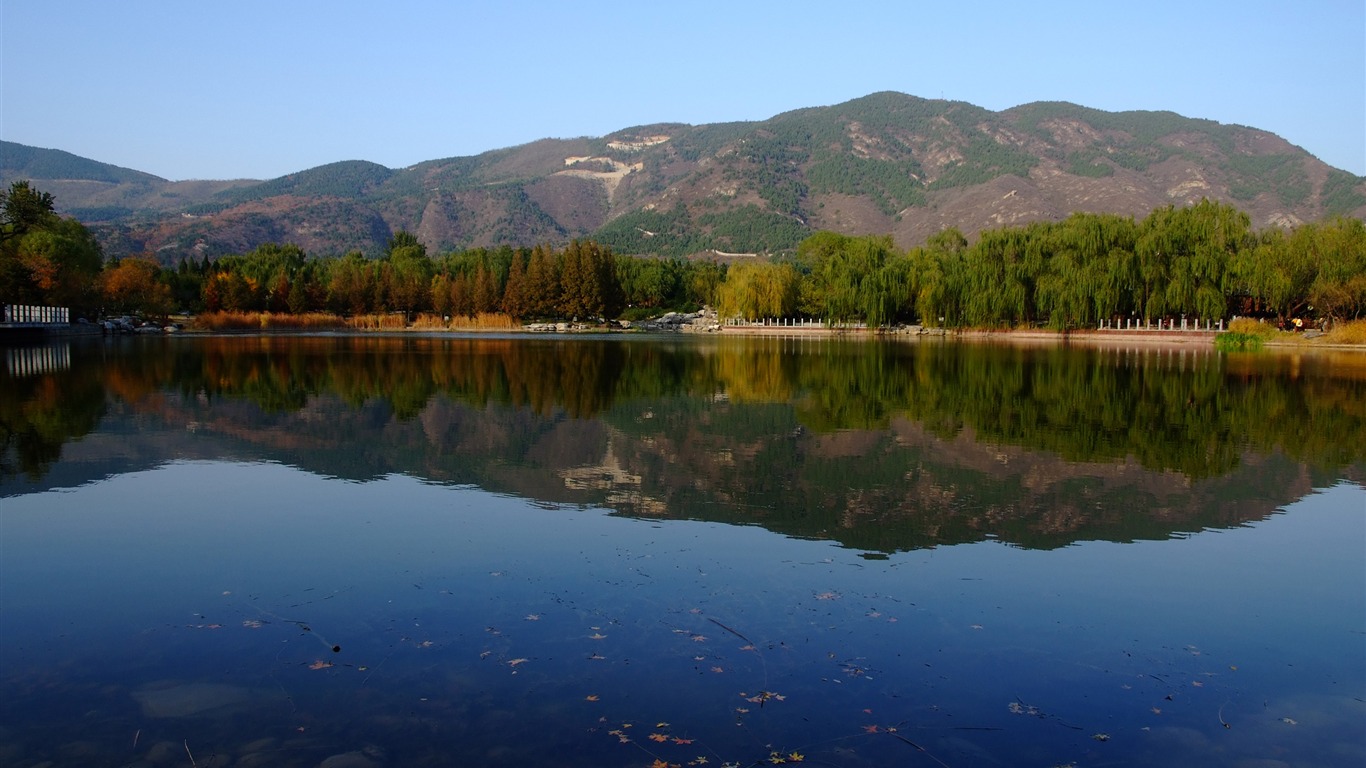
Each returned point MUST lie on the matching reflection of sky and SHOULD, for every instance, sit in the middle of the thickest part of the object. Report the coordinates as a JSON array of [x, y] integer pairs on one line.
[[1097, 633]]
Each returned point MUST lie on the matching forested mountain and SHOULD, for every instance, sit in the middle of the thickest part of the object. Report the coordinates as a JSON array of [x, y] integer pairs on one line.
[[884, 163]]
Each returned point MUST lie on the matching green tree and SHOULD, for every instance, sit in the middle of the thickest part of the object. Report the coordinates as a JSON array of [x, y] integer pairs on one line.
[[24, 209]]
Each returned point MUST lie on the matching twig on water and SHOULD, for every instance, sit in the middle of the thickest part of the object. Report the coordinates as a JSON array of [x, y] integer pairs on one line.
[[920, 748], [193, 764], [728, 629]]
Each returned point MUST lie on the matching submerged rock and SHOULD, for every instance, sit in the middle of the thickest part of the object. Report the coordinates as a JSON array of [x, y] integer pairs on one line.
[[349, 760], [189, 699]]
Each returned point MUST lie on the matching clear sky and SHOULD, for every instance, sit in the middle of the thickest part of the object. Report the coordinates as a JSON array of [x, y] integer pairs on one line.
[[249, 89]]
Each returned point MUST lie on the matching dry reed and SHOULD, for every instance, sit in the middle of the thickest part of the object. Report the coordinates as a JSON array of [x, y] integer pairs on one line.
[[265, 321], [1351, 332]]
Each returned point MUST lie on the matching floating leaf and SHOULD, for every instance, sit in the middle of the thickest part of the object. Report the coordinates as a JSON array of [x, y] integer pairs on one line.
[[659, 737], [320, 664], [677, 740], [591, 697], [1101, 737], [515, 662]]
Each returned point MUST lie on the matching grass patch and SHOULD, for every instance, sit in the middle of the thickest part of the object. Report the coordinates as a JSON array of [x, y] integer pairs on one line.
[[1233, 341]]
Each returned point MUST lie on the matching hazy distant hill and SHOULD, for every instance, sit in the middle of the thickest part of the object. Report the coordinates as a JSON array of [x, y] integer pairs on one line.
[[884, 163]]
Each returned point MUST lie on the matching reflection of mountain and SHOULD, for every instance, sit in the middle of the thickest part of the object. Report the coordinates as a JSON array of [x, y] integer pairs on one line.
[[881, 447]]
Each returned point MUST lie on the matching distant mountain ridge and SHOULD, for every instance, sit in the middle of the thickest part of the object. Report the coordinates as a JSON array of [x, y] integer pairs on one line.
[[883, 163]]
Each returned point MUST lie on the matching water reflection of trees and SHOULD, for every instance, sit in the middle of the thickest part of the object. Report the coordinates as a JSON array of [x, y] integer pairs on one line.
[[821, 438]]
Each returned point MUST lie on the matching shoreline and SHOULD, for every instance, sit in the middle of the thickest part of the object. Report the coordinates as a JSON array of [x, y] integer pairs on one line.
[[1032, 336]]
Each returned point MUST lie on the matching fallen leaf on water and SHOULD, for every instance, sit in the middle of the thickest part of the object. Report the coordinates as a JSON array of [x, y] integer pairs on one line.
[[320, 664], [1101, 737], [661, 725], [659, 737], [677, 740], [1157, 710], [515, 662], [597, 636], [1288, 721], [591, 697], [717, 670], [796, 757], [827, 595], [253, 624], [533, 617], [871, 729]]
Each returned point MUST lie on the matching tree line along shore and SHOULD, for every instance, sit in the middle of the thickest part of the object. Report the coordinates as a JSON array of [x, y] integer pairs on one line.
[[1202, 261]]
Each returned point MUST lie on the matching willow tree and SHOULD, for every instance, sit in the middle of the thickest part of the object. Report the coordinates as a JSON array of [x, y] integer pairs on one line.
[[1001, 270], [847, 278], [936, 279], [758, 289], [1091, 270], [1183, 257], [1275, 275], [1339, 287]]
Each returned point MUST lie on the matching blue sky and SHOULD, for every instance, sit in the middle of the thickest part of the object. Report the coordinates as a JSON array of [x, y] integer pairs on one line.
[[249, 89]]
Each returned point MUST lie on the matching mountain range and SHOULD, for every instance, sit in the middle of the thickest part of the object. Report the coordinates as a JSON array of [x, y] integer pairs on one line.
[[883, 163]]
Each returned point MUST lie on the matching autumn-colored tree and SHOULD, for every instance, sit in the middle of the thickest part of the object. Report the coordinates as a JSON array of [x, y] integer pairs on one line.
[[132, 286], [542, 283], [462, 296], [515, 302], [485, 296]]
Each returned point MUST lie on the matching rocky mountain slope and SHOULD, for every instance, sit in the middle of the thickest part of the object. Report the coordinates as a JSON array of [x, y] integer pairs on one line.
[[884, 163]]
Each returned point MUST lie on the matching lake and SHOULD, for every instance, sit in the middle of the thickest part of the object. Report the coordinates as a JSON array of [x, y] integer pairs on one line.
[[606, 551]]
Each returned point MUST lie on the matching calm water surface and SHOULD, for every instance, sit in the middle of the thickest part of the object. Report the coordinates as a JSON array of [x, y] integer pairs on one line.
[[505, 551]]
